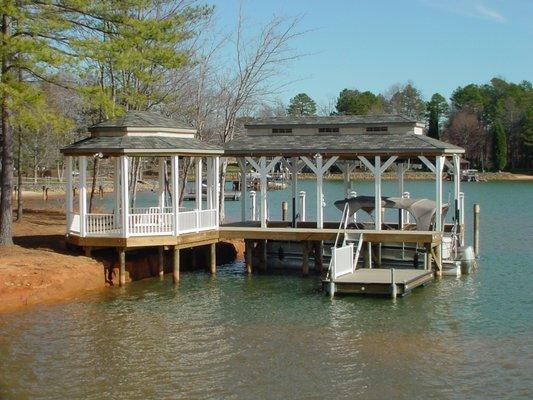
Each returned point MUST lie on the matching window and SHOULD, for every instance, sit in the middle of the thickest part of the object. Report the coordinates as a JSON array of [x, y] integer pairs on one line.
[[328, 130], [377, 128], [281, 130]]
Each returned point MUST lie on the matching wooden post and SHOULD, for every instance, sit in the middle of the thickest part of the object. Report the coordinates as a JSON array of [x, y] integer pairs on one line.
[[248, 254], [476, 229], [174, 175], [429, 257], [68, 192], [161, 184], [302, 205], [88, 251], [438, 259], [124, 171], [305, 258], [377, 192], [176, 265], [213, 258], [122, 266], [284, 210], [263, 257], [319, 247], [161, 261], [366, 256], [244, 187], [198, 171]]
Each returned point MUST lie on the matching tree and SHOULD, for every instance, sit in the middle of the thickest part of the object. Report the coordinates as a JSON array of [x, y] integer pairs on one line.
[[354, 102], [407, 100], [301, 105], [437, 108], [466, 130], [499, 146]]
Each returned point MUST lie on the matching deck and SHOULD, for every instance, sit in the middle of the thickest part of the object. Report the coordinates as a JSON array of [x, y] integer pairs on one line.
[[378, 281]]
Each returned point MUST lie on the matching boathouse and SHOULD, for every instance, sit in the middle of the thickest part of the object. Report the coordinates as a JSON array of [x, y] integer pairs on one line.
[[122, 140], [296, 145]]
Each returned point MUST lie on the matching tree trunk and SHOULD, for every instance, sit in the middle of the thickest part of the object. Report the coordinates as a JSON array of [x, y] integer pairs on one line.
[[6, 182], [19, 175]]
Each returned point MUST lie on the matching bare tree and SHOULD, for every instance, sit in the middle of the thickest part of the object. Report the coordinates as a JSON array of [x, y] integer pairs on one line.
[[257, 60]]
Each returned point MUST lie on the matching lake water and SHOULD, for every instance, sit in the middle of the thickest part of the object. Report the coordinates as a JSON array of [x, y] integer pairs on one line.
[[277, 336]]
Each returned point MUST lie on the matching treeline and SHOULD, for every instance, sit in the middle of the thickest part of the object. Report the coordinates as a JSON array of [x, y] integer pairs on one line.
[[493, 121]]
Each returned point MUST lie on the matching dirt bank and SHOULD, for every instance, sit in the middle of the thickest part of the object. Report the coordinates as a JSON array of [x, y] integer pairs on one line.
[[39, 269]]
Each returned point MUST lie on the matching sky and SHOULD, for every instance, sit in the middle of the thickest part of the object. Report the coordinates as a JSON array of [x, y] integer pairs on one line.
[[373, 44]]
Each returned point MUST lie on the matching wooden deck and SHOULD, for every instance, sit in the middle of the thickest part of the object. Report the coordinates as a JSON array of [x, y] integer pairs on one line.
[[378, 281]]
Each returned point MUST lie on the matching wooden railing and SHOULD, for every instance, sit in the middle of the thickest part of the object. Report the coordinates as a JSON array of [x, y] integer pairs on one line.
[[151, 223]]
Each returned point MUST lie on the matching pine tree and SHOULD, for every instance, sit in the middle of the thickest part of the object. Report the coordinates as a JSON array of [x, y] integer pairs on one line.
[[499, 146], [437, 108], [301, 104]]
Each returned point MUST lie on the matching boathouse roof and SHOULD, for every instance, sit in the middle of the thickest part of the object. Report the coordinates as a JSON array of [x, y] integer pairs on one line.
[[408, 145], [341, 120], [142, 133]]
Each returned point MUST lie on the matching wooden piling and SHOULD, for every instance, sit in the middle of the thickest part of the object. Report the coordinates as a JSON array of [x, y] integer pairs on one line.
[[248, 254], [476, 229], [88, 250], [213, 258], [263, 256], [319, 251], [367, 260], [122, 266], [176, 265], [305, 258], [429, 257], [394, 288], [161, 261]]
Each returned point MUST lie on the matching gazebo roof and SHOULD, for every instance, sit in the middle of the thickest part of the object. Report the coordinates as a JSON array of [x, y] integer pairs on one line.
[[142, 145], [350, 145], [140, 119], [142, 133]]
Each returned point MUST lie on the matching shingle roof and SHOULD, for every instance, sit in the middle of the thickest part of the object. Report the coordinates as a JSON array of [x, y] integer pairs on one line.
[[329, 120], [408, 144], [140, 119], [141, 145]]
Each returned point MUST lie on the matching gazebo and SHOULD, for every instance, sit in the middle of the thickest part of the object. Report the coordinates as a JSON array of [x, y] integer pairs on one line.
[[126, 225]]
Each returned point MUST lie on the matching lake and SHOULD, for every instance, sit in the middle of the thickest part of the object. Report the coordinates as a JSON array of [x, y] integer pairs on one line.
[[278, 336]]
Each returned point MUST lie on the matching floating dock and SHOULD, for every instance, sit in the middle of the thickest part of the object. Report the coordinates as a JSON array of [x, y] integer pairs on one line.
[[378, 281]]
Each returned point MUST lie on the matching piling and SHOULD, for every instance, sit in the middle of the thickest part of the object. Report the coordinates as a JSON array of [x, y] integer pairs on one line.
[[176, 265], [305, 258], [213, 257], [476, 229], [284, 210], [248, 253], [394, 288], [160, 261], [263, 256], [122, 266], [319, 251]]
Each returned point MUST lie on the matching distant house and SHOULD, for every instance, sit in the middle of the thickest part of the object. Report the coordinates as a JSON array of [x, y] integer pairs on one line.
[[342, 124]]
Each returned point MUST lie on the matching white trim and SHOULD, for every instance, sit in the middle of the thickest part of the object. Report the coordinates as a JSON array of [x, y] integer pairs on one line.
[[428, 163], [124, 170], [174, 165], [83, 194], [69, 197]]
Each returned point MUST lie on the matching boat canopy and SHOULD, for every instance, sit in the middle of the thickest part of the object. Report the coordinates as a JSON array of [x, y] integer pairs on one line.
[[423, 210]]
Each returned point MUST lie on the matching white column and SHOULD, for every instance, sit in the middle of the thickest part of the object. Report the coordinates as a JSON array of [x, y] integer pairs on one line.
[[198, 161], [439, 164], [302, 206], [400, 172], [377, 192], [217, 188], [209, 179], [68, 194], [161, 188], [175, 192], [456, 187], [294, 175], [243, 184], [116, 193], [125, 201], [264, 188], [83, 194], [319, 193]]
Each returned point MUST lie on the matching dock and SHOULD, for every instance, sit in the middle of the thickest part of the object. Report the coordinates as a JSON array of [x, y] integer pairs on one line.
[[378, 281]]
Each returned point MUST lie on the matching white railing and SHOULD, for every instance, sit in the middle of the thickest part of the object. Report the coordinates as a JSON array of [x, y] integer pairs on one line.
[[146, 221], [100, 224], [342, 262], [150, 223]]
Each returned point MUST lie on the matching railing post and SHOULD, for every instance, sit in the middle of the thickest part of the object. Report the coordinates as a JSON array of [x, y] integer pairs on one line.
[[302, 206], [252, 205]]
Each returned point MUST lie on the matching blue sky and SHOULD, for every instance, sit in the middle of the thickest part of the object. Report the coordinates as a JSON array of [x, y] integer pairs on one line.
[[373, 44]]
